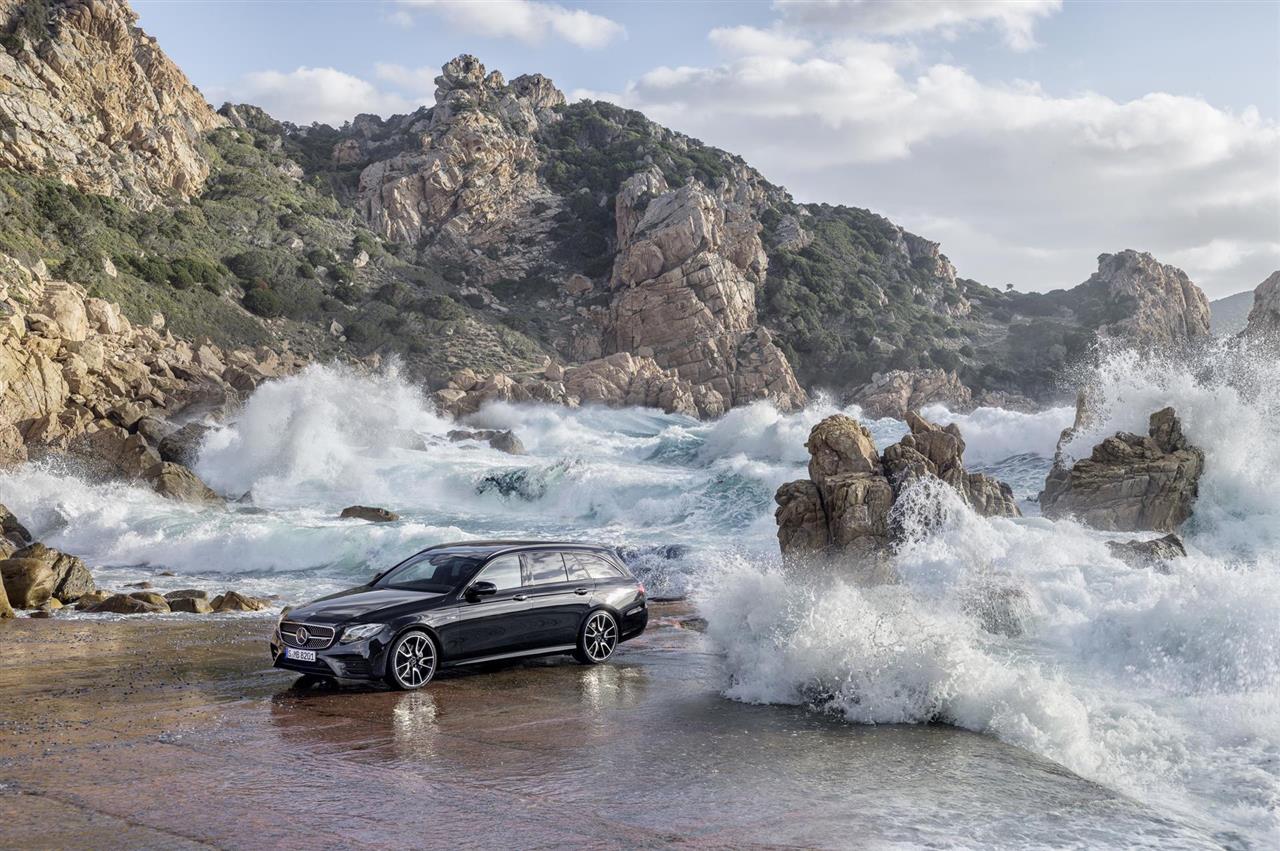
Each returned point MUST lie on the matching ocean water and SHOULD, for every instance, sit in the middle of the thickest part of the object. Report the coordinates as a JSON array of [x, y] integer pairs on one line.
[[1163, 687]]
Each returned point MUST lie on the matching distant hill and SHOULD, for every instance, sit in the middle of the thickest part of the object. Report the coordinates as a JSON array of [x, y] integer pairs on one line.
[[1229, 315]]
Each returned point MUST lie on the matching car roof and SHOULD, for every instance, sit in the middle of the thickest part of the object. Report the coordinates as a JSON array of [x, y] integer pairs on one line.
[[484, 549]]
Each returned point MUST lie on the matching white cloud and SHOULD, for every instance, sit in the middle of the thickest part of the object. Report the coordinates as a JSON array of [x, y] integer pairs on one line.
[[406, 79], [314, 94], [750, 41], [529, 21], [1043, 183], [1016, 19]]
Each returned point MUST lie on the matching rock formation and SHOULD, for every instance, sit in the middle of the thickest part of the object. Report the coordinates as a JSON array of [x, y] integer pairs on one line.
[[76, 376], [1264, 318], [846, 505], [370, 513], [894, 393], [1129, 482], [466, 176], [87, 97], [685, 276], [1154, 553], [1158, 304], [615, 381]]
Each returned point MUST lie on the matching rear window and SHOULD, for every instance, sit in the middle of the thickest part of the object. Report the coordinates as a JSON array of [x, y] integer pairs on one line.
[[597, 567], [544, 568]]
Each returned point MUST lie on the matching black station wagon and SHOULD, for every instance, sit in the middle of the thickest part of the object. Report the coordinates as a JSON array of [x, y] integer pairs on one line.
[[460, 604]]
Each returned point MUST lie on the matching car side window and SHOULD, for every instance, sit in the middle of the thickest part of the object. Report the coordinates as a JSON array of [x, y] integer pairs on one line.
[[544, 568], [503, 571], [577, 566], [599, 568]]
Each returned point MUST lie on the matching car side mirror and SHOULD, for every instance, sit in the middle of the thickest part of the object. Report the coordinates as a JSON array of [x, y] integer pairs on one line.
[[481, 589]]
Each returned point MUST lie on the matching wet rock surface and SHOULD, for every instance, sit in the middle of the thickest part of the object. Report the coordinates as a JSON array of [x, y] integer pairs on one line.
[[370, 513], [1129, 482], [1155, 553], [846, 505]]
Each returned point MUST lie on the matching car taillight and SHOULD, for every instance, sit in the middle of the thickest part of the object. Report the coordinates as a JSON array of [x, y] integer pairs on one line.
[[640, 587]]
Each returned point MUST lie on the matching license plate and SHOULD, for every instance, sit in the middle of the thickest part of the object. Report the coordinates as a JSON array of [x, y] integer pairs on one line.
[[300, 655]]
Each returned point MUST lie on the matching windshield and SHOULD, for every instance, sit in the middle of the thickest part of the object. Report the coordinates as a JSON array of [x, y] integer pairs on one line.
[[437, 572]]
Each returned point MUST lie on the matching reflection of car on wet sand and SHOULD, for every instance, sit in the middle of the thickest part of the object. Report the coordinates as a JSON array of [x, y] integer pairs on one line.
[[466, 603]]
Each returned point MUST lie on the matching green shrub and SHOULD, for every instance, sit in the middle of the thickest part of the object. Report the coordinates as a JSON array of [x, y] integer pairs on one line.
[[264, 302]]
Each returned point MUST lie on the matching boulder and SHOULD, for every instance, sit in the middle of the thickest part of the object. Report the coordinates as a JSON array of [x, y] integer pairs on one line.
[[183, 445], [840, 445], [802, 521], [28, 582], [1129, 483], [13, 530], [191, 605], [151, 598], [178, 483], [1154, 553], [186, 594], [91, 599], [370, 513], [234, 601], [72, 579], [125, 604], [503, 440]]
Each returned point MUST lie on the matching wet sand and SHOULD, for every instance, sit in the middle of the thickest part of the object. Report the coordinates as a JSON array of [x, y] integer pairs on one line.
[[166, 733]]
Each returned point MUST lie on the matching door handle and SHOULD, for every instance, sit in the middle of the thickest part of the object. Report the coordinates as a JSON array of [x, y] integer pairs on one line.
[[581, 591], [520, 597]]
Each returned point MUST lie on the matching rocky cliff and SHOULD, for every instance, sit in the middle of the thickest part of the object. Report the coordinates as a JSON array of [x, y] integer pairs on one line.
[[1264, 317], [89, 98], [1154, 304], [504, 231], [78, 377]]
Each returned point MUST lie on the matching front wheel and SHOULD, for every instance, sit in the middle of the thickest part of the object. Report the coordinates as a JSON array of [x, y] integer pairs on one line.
[[411, 661], [597, 639]]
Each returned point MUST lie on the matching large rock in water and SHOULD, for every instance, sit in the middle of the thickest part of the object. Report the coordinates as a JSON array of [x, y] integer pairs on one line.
[[178, 483], [845, 508], [1129, 482], [370, 513]]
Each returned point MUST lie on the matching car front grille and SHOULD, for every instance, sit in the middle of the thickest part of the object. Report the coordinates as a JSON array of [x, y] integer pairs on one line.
[[318, 637]]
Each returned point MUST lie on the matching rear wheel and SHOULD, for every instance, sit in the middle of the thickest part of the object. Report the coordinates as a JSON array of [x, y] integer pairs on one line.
[[597, 639], [412, 661]]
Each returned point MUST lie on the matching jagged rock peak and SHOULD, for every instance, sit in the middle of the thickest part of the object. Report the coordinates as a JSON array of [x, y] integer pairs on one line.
[[88, 97], [1168, 309], [1264, 318], [465, 84]]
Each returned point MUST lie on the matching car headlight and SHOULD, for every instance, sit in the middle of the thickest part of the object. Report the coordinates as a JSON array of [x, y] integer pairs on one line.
[[360, 631]]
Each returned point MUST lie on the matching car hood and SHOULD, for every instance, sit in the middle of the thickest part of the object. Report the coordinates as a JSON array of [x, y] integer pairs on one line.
[[364, 603]]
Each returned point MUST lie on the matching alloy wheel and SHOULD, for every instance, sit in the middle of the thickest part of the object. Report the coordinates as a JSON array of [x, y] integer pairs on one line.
[[600, 637], [414, 660]]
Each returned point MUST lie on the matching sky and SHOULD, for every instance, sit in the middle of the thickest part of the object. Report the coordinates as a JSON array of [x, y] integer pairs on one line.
[[1026, 137]]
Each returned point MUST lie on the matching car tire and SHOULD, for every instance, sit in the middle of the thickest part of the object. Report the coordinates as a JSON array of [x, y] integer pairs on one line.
[[597, 639], [412, 660]]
